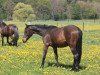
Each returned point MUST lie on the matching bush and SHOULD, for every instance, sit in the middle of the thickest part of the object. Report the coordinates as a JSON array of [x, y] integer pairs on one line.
[[3, 15], [89, 14], [75, 11], [23, 12], [88, 10]]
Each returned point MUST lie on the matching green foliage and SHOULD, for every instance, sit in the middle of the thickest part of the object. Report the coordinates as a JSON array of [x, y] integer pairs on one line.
[[89, 13], [23, 12], [2, 14], [41, 7], [2, 11], [96, 0], [75, 11], [50, 9], [8, 7]]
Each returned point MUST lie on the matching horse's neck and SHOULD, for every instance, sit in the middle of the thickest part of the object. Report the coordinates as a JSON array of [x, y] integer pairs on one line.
[[2, 26], [41, 32]]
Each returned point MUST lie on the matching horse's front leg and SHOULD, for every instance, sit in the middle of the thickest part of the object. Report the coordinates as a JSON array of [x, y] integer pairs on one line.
[[2, 40], [56, 55], [44, 55], [8, 41]]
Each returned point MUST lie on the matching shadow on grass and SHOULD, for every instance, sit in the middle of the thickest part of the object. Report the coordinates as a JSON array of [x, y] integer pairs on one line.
[[65, 65]]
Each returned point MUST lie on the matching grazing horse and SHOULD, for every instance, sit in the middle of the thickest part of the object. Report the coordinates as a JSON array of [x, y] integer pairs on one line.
[[9, 31], [58, 37]]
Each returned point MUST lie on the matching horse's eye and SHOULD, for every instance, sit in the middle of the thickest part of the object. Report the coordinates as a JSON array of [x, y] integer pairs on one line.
[[27, 32]]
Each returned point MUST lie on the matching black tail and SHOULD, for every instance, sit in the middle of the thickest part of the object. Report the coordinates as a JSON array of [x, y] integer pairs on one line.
[[79, 46], [16, 37]]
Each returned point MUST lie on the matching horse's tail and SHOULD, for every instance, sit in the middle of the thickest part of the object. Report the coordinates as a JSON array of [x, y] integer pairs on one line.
[[16, 36], [79, 46]]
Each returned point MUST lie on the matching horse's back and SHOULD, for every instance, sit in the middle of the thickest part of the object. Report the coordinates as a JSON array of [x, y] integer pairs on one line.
[[71, 28], [13, 26], [61, 36], [9, 30]]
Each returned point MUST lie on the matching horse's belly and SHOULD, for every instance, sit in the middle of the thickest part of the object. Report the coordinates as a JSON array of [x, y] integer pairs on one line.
[[61, 44]]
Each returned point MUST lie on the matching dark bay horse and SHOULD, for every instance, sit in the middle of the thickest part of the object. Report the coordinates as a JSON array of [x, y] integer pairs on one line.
[[58, 37], [9, 31]]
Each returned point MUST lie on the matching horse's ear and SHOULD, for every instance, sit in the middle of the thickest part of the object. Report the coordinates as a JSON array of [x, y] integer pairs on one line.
[[26, 24]]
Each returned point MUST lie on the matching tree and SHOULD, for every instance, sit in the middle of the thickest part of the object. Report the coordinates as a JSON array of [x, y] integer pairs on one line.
[[23, 12], [53, 9], [8, 7], [58, 9], [75, 11], [97, 8], [2, 10], [41, 8]]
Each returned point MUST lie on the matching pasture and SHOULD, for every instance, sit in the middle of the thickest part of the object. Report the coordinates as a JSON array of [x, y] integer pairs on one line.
[[26, 58]]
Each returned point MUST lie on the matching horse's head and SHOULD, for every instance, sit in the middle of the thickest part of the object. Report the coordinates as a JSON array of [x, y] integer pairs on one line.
[[28, 32], [2, 24]]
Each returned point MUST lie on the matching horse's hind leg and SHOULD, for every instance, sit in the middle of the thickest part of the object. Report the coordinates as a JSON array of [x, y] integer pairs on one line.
[[76, 59], [8, 41]]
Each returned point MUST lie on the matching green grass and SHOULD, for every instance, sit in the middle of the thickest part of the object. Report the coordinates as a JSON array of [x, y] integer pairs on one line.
[[26, 58]]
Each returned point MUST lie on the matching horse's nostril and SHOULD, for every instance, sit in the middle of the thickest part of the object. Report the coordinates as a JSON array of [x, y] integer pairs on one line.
[[24, 40]]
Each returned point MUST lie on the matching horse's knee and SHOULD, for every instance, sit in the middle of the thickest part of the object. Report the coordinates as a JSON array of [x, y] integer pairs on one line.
[[76, 55]]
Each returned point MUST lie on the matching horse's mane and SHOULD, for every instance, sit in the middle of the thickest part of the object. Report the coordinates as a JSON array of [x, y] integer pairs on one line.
[[2, 24], [43, 26], [13, 25]]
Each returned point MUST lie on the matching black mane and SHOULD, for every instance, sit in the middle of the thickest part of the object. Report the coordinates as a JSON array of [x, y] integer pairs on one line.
[[43, 26], [2, 24]]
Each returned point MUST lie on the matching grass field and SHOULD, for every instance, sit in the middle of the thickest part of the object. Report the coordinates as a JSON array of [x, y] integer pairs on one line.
[[26, 58]]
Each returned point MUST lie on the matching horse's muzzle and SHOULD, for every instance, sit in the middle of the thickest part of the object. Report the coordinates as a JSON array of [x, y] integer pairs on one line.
[[24, 40]]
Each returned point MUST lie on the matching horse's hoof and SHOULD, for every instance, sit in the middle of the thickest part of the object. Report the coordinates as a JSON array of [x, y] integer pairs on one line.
[[16, 45], [10, 44], [41, 66], [4, 45], [75, 70], [72, 69], [57, 66]]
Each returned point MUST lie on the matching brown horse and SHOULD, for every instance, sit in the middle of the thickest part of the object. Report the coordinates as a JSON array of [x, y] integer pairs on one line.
[[9, 31], [58, 37]]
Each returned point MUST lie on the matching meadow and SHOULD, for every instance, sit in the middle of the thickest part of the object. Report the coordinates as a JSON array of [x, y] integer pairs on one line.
[[26, 58]]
